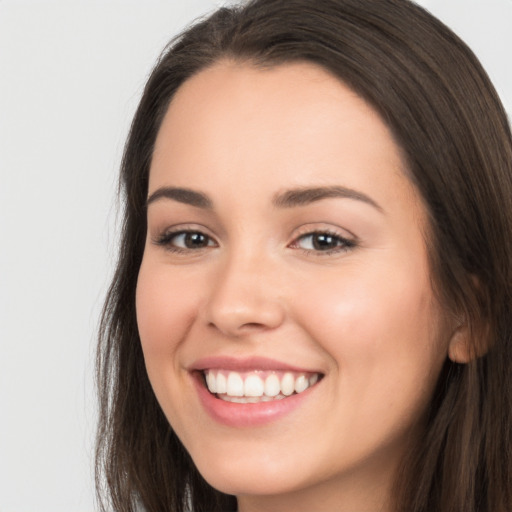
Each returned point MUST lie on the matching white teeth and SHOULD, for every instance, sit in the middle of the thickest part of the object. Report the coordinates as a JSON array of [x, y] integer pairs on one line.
[[288, 384], [241, 399], [235, 385], [257, 386], [222, 385], [272, 385], [301, 384], [253, 386], [249, 399], [211, 382]]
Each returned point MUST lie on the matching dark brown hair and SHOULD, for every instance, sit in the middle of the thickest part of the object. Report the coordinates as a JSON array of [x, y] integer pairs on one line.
[[444, 113]]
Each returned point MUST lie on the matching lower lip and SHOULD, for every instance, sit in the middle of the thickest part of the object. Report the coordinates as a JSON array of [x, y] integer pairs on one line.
[[247, 415]]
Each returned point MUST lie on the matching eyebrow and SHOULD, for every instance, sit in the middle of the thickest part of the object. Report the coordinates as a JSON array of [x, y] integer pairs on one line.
[[182, 195], [304, 196], [288, 199]]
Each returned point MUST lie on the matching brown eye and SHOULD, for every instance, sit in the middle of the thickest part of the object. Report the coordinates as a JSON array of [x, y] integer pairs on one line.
[[194, 240], [323, 242], [186, 241]]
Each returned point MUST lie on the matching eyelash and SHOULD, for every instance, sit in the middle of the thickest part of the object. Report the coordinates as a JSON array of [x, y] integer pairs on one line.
[[342, 244], [167, 238]]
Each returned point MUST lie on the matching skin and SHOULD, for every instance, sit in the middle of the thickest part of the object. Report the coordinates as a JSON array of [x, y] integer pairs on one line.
[[364, 315]]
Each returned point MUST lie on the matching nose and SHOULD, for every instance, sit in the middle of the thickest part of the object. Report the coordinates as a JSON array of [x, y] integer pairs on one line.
[[245, 297]]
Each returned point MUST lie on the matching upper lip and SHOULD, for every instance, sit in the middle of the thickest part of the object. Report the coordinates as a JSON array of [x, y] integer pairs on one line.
[[245, 364]]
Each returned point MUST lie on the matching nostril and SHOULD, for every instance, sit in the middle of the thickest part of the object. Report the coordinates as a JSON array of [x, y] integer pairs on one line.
[[252, 325], [244, 328]]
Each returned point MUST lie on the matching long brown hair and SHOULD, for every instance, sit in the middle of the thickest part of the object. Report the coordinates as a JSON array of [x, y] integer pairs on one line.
[[445, 114]]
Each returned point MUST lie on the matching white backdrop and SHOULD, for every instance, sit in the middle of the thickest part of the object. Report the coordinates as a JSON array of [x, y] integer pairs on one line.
[[71, 73]]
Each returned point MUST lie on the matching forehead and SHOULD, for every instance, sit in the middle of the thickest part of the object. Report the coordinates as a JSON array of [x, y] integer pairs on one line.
[[292, 125]]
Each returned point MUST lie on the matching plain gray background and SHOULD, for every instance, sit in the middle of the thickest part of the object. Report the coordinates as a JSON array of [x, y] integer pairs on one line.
[[71, 73]]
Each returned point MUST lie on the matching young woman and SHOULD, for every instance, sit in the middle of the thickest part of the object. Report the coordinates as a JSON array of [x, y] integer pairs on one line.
[[311, 309]]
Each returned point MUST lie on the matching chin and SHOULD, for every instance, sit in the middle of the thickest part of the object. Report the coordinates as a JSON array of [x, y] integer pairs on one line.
[[251, 477], [250, 485]]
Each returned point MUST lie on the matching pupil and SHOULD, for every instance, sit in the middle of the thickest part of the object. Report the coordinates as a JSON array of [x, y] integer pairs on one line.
[[195, 240], [323, 242]]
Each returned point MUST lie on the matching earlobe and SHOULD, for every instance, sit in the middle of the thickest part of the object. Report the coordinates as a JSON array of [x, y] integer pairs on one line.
[[470, 339], [460, 349], [463, 348]]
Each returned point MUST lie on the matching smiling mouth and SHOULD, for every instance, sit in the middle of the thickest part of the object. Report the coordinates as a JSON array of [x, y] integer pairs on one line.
[[257, 385]]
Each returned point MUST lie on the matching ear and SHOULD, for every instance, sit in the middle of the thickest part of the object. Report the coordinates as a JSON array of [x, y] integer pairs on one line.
[[459, 348], [466, 346]]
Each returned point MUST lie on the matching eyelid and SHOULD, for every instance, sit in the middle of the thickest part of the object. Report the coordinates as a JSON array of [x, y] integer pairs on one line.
[[324, 227], [164, 237], [176, 228], [349, 241]]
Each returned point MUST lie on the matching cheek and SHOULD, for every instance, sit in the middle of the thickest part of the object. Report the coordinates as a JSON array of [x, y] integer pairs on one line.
[[164, 308], [383, 337], [365, 311], [377, 306]]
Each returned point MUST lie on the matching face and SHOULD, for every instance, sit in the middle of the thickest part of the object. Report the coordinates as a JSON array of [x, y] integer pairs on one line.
[[284, 300]]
